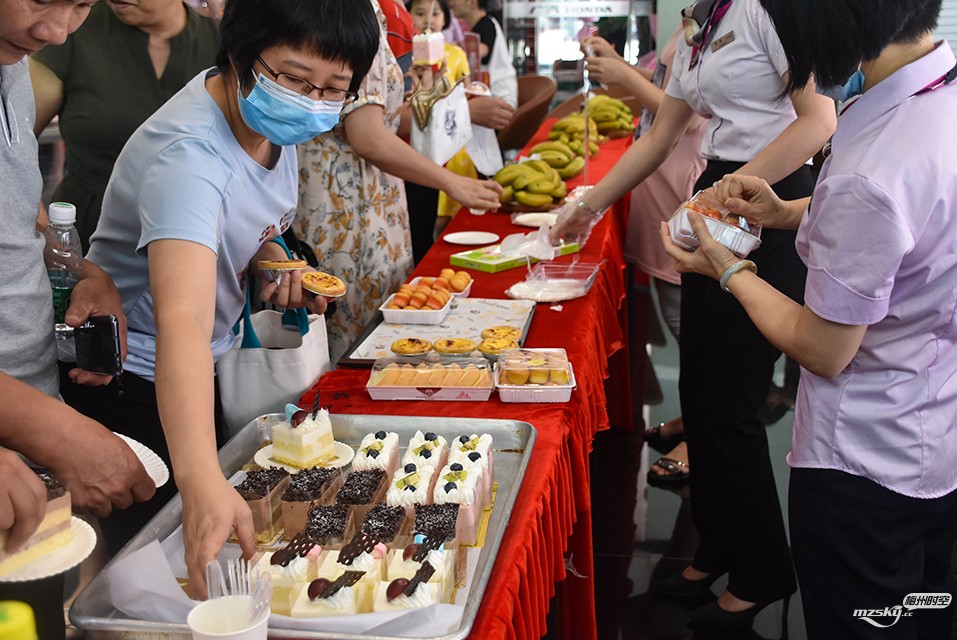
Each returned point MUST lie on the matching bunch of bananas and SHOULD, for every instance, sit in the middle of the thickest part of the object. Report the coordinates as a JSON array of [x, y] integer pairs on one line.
[[534, 183], [561, 156], [570, 131], [611, 115]]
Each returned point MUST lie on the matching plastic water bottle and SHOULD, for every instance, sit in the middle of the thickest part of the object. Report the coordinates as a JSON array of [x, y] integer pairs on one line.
[[63, 256]]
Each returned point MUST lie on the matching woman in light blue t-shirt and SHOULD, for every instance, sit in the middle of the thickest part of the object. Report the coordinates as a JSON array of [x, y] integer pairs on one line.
[[195, 198]]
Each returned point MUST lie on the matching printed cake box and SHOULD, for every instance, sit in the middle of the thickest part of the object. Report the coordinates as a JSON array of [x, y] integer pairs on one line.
[[444, 378], [491, 260]]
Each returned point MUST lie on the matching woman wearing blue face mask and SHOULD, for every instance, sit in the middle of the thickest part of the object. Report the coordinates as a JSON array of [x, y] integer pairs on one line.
[[195, 198]]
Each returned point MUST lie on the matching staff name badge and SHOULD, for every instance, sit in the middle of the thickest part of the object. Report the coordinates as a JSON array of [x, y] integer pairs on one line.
[[723, 41]]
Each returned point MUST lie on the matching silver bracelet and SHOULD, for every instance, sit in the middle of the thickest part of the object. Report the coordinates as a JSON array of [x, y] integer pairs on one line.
[[733, 269], [581, 204]]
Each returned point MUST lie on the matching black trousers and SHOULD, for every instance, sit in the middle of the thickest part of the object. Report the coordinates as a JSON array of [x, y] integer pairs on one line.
[[858, 546], [128, 406], [726, 369], [423, 203]]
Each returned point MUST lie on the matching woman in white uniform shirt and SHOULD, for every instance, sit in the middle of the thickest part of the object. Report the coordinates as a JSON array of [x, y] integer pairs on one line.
[[873, 490], [736, 80]]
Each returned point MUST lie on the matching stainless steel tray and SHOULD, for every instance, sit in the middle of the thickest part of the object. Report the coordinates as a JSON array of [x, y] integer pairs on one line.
[[93, 611]]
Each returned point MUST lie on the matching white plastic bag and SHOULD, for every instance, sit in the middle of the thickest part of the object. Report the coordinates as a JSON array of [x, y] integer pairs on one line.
[[258, 380], [448, 129], [484, 150]]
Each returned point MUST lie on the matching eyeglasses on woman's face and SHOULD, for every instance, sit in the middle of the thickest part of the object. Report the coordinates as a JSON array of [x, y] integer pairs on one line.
[[307, 89]]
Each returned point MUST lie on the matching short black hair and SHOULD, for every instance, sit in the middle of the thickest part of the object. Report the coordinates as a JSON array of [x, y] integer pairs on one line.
[[829, 38], [345, 31], [443, 5]]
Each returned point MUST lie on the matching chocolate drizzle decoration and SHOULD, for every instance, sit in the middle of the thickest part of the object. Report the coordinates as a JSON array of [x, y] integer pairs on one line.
[[347, 579], [362, 542], [422, 575], [430, 543], [298, 548]]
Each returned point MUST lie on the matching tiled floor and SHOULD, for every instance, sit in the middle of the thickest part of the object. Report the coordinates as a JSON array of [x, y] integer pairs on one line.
[[652, 531]]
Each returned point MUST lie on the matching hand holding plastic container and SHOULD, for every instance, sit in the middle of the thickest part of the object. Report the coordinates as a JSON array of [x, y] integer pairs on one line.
[[728, 229], [63, 256]]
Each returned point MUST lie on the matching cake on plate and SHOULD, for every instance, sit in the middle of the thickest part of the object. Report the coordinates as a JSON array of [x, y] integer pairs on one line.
[[305, 440], [54, 530], [306, 489], [262, 491]]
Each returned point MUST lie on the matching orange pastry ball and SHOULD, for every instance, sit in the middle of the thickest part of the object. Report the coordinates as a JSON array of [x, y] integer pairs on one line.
[[447, 273]]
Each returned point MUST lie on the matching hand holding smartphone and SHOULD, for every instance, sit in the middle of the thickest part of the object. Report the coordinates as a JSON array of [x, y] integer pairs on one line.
[[97, 343]]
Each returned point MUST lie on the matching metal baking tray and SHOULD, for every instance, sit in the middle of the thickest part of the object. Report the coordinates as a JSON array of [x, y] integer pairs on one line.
[[94, 613]]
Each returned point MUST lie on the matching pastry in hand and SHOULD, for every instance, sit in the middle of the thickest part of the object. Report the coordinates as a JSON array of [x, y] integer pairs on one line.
[[411, 346], [454, 346], [324, 284], [503, 331]]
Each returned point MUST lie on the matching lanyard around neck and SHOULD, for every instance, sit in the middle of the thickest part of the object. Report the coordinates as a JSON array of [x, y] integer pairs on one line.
[[945, 79], [718, 11]]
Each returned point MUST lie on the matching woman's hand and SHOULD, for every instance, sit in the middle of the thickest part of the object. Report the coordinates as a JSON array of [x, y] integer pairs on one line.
[[487, 111], [608, 70], [599, 47], [475, 194], [212, 509], [287, 292], [573, 224], [751, 198], [23, 500], [95, 295], [709, 259]]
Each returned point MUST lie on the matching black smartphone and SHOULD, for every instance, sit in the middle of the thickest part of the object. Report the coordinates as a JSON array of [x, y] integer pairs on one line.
[[98, 345]]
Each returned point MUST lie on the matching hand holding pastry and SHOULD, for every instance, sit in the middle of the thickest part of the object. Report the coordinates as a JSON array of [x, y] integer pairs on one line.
[[753, 199], [710, 259], [23, 500]]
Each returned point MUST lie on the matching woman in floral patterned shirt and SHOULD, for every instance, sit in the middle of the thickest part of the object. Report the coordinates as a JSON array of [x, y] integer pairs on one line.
[[353, 213]]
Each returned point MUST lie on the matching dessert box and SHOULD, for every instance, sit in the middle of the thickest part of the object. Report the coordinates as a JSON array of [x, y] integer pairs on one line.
[[464, 293], [726, 228], [491, 259], [95, 612], [534, 375], [414, 316], [430, 378]]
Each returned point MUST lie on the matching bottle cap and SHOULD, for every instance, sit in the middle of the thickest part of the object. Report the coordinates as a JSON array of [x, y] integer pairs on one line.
[[17, 622], [62, 213]]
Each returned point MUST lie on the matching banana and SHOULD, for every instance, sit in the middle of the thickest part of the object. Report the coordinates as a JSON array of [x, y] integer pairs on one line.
[[540, 166], [554, 146], [507, 175], [604, 115], [523, 181], [554, 134], [546, 184], [561, 191], [555, 158], [573, 168], [533, 199], [507, 196], [592, 147]]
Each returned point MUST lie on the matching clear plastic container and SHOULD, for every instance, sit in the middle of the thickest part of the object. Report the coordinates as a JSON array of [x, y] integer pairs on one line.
[[556, 281], [728, 229], [534, 375], [431, 378]]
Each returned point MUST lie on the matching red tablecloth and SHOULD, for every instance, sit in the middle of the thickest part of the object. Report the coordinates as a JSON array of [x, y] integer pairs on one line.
[[554, 501]]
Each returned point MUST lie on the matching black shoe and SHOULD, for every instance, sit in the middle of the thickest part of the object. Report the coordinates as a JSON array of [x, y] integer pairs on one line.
[[678, 586], [713, 616], [677, 476], [660, 443]]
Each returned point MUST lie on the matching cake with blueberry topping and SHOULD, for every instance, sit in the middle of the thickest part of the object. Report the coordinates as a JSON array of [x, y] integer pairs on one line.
[[472, 450], [378, 450], [411, 485], [462, 486], [426, 449]]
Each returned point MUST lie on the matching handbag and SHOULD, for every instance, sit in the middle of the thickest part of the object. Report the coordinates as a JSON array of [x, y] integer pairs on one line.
[[278, 357], [273, 364], [441, 124]]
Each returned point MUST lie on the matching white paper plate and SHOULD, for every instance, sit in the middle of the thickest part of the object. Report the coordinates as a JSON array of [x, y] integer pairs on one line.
[[535, 219], [264, 458], [58, 560], [155, 466], [471, 237]]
